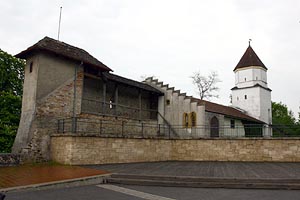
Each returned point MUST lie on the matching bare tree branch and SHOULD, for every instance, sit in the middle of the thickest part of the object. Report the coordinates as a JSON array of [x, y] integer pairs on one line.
[[206, 86]]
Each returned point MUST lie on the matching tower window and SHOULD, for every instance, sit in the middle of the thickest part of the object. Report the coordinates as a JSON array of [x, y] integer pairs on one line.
[[30, 67], [168, 101], [245, 96], [245, 79], [232, 123]]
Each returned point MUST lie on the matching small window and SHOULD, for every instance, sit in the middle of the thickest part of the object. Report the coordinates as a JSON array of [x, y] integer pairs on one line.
[[256, 78], [245, 96], [245, 79], [232, 123], [168, 101], [237, 98], [30, 67]]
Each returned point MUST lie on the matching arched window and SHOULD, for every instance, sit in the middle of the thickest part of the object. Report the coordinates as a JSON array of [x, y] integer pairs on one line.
[[192, 119], [214, 127], [185, 121]]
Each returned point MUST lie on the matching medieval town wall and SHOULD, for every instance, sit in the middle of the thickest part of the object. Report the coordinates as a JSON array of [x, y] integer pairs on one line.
[[128, 100], [80, 150], [57, 104]]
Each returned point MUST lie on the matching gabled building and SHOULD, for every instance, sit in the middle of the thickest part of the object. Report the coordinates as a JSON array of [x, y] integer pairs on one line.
[[68, 91]]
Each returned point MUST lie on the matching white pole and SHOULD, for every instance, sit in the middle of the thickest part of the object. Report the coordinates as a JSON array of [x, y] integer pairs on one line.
[[59, 23]]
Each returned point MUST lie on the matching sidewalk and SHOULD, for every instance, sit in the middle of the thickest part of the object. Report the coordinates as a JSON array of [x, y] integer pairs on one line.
[[39, 174], [168, 173], [254, 175], [249, 170]]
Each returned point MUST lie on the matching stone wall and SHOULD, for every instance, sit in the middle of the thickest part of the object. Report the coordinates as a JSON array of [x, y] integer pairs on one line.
[[97, 150], [57, 104], [75, 150], [9, 159]]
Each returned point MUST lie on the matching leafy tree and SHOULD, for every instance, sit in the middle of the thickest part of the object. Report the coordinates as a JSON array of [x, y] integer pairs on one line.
[[284, 122], [206, 85], [11, 80], [281, 115]]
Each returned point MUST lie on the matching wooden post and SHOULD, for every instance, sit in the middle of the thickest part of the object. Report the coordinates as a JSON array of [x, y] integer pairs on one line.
[[104, 98], [140, 105], [116, 99]]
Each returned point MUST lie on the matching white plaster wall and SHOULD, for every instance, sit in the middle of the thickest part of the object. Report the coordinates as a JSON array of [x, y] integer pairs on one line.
[[257, 104], [238, 131], [265, 106], [250, 76], [253, 102]]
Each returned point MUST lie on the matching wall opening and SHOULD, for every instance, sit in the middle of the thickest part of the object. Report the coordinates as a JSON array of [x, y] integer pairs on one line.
[[30, 67], [214, 127], [232, 123]]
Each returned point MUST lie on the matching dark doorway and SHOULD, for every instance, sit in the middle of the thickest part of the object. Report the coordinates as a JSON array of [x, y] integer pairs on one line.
[[214, 127]]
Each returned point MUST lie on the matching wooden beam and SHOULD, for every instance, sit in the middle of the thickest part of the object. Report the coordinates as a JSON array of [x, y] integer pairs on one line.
[[104, 98], [116, 98], [140, 104]]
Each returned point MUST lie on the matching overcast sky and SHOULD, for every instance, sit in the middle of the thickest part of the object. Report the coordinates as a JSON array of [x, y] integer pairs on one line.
[[169, 39]]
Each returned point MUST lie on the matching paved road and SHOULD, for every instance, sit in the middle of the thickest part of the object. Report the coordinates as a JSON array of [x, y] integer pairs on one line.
[[126, 192]]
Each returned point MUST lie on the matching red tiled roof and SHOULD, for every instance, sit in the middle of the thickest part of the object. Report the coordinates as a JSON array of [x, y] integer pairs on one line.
[[227, 111], [65, 50], [250, 59]]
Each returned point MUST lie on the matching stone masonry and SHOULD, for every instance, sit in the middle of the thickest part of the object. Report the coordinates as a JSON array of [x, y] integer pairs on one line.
[[76, 150], [58, 103]]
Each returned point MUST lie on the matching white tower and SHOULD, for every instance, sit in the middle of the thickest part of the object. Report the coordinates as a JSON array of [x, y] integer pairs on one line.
[[251, 92]]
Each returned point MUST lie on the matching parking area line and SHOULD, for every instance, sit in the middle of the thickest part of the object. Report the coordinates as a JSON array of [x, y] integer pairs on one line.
[[131, 192]]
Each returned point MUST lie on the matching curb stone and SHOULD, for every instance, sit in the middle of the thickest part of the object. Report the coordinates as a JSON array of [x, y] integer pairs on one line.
[[89, 180]]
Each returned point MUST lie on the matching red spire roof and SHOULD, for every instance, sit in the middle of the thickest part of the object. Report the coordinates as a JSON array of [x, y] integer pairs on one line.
[[250, 59]]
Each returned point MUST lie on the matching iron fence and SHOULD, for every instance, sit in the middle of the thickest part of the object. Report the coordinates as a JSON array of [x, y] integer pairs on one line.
[[141, 129]]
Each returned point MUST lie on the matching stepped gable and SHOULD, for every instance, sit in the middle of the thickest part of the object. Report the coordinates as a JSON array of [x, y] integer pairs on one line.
[[250, 59], [226, 110], [210, 106], [63, 49]]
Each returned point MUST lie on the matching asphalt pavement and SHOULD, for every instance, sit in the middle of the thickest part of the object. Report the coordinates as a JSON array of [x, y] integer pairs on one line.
[[153, 193]]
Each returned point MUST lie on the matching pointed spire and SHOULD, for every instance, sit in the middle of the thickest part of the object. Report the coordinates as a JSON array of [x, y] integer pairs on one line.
[[250, 59]]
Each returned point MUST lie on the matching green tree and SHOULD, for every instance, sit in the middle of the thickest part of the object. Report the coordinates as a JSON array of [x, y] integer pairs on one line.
[[281, 115], [284, 122], [11, 80]]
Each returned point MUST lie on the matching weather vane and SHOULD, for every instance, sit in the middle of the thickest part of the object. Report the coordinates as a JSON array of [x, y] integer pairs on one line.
[[250, 41]]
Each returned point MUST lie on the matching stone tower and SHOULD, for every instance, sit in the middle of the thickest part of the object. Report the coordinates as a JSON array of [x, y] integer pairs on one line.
[[251, 92]]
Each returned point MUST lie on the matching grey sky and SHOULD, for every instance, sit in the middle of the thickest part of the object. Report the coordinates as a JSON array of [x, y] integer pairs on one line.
[[170, 39]]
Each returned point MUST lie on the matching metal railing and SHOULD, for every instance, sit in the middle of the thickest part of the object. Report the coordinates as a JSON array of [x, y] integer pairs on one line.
[[141, 129], [117, 128]]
